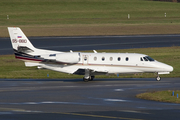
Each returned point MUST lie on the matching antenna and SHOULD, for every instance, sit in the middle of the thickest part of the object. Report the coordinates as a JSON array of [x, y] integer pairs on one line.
[[95, 51]]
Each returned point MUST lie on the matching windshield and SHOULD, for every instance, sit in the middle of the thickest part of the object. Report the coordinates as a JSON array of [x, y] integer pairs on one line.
[[147, 58]]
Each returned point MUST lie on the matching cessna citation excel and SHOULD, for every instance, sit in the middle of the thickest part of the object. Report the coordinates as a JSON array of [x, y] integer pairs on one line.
[[87, 64]]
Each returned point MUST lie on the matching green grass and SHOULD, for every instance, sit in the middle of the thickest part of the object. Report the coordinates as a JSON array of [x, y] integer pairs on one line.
[[89, 17], [48, 12], [161, 96], [13, 68]]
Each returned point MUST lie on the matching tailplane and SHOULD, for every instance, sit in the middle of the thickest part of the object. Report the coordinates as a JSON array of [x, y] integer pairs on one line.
[[24, 50], [19, 40]]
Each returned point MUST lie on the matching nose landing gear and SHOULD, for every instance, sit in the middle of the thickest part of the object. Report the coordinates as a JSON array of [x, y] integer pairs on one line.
[[158, 78]]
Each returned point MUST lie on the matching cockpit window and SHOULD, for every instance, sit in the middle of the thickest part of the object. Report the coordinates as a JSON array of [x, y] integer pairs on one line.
[[147, 58]]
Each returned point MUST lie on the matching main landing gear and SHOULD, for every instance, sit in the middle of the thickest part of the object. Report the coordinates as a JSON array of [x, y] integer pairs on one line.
[[90, 78], [87, 77]]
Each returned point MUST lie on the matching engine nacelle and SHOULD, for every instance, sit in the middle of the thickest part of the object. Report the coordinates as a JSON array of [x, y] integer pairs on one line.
[[68, 57]]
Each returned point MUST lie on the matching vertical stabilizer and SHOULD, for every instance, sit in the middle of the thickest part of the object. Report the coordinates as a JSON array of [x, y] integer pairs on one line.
[[19, 40], [24, 50]]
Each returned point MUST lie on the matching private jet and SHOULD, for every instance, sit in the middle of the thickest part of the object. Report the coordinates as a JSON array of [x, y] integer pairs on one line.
[[82, 63]]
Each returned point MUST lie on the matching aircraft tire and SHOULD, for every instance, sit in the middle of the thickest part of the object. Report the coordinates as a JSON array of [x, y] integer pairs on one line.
[[158, 78], [85, 80], [91, 78]]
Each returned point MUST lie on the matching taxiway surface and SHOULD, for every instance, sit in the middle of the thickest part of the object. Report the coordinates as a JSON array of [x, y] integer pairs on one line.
[[96, 42], [74, 99]]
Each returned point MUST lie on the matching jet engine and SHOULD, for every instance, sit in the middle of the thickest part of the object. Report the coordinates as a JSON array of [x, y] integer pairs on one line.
[[68, 58]]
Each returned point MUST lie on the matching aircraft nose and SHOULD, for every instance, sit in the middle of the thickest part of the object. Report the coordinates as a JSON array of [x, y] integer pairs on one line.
[[168, 68], [164, 67]]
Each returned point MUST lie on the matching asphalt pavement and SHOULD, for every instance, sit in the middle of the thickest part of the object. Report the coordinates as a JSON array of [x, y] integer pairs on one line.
[[69, 99], [95, 42]]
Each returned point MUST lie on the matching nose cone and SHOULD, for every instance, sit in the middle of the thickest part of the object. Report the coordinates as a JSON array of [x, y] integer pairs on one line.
[[164, 67], [168, 68]]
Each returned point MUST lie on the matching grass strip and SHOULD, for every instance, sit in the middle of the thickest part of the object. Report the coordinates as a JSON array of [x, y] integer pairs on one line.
[[95, 29], [89, 17], [161, 96], [40, 12]]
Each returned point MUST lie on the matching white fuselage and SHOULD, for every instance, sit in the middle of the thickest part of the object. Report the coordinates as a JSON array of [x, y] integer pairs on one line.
[[112, 63]]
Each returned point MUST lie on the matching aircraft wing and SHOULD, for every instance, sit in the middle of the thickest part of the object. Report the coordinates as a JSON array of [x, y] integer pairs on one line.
[[81, 71]]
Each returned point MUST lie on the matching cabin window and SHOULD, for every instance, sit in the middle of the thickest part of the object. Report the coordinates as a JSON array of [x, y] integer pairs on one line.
[[119, 59], [79, 56], [103, 58], [141, 59], [127, 58], [85, 58], [95, 58], [111, 58]]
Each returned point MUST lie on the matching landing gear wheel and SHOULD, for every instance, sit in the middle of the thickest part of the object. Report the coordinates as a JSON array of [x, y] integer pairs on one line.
[[91, 78], [85, 79], [158, 78]]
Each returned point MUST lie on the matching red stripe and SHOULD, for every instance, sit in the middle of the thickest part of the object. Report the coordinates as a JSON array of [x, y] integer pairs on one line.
[[24, 58]]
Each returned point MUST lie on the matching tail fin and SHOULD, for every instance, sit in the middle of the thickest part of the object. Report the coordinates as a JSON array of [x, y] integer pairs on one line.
[[19, 40]]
